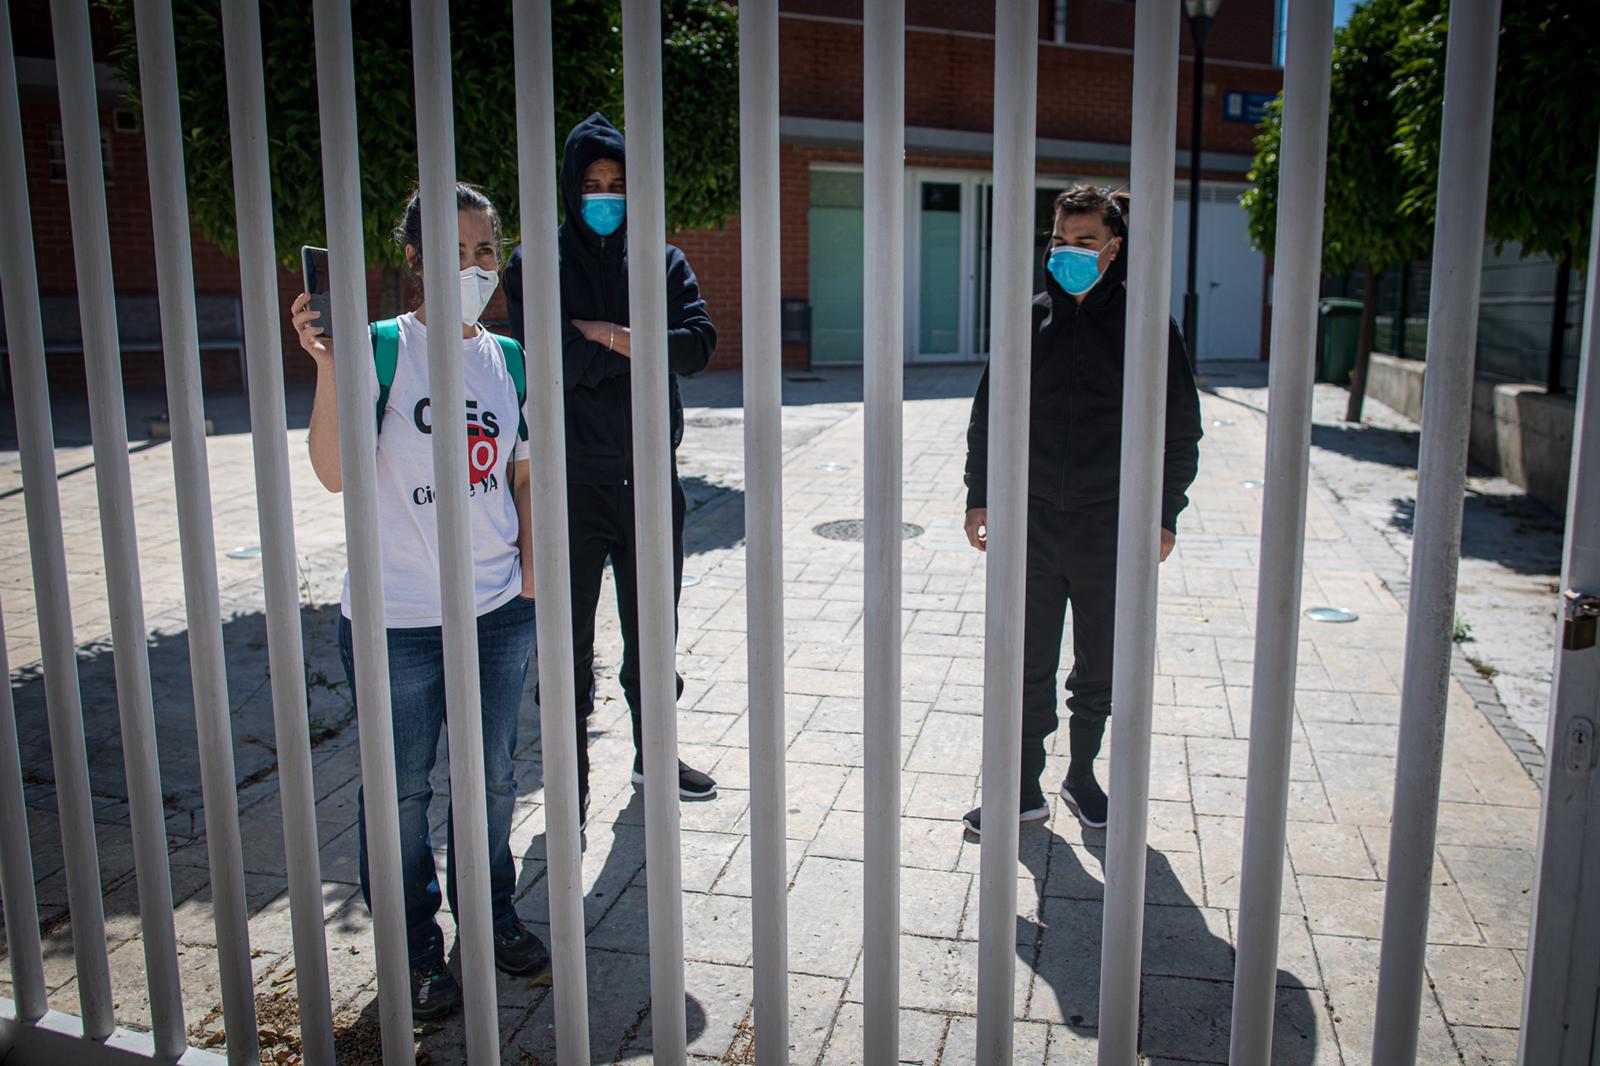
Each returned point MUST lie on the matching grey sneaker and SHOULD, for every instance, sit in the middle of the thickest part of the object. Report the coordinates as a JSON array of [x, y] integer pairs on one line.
[[434, 992]]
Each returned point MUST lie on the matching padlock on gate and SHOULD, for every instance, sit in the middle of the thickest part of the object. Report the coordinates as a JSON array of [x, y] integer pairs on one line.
[[1582, 615]]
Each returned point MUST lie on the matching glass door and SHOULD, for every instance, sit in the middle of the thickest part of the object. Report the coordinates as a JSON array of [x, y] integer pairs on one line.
[[939, 242]]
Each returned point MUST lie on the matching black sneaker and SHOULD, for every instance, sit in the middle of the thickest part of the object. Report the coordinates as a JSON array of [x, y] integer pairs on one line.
[[434, 992], [692, 784], [520, 953], [1033, 810], [1087, 800], [583, 812]]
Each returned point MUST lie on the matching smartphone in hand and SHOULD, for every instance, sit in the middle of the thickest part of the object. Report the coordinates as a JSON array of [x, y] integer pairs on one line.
[[314, 265]]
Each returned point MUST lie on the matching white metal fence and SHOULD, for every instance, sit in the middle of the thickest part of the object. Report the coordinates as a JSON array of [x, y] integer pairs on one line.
[[32, 1033]]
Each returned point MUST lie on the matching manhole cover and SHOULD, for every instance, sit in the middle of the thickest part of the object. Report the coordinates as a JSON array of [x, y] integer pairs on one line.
[[832, 468], [689, 581], [854, 529], [714, 422], [1222, 421], [1331, 614], [1252, 484], [245, 553]]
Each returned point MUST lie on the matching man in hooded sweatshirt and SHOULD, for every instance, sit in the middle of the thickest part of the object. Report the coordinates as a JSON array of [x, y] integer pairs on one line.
[[1074, 469], [596, 360]]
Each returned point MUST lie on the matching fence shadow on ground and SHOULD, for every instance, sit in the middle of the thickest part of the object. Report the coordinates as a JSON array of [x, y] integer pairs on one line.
[[1186, 997]]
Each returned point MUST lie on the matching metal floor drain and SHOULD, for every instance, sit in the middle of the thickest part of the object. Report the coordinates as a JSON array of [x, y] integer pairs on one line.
[[854, 529]]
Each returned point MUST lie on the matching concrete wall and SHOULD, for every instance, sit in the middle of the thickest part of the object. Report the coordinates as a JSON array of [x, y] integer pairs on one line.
[[1518, 431]]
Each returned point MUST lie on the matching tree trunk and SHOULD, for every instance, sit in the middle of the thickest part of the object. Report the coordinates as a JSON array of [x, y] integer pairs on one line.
[[1369, 316], [1558, 326]]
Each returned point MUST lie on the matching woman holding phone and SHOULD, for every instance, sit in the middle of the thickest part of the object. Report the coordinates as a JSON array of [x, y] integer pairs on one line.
[[498, 483]]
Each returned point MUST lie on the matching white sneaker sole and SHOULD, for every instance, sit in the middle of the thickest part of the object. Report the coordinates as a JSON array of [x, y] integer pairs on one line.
[[1072, 805], [1028, 817], [683, 793]]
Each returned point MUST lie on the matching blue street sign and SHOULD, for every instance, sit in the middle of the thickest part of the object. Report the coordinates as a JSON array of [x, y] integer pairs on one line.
[[1240, 106]]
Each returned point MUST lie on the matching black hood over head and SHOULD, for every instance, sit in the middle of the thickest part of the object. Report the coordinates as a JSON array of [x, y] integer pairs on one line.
[[593, 138]]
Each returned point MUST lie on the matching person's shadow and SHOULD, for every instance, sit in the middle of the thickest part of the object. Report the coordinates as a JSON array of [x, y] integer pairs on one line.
[[1186, 992], [617, 946]]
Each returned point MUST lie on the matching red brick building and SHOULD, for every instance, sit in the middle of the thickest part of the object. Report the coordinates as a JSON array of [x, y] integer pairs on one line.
[[1084, 116]]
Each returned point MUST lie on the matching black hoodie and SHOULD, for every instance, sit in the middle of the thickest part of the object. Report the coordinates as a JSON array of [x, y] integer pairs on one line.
[[594, 286], [1075, 413]]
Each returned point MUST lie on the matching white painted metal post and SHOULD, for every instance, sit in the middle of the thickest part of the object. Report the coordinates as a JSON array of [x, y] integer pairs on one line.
[[652, 493], [763, 516], [19, 283], [158, 80], [546, 418], [1302, 162], [1436, 546], [1016, 75], [1559, 1008], [21, 903], [1144, 403], [884, 95], [252, 192], [358, 447], [441, 273], [91, 243]]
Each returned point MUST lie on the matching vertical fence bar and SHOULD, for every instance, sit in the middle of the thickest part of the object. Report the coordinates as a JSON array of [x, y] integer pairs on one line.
[[358, 447], [1559, 1009], [1144, 402], [1436, 545], [16, 857], [546, 418], [158, 80], [91, 242], [1016, 75], [25, 337], [884, 95], [252, 192], [652, 489], [763, 516], [1302, 161], [436, 156]]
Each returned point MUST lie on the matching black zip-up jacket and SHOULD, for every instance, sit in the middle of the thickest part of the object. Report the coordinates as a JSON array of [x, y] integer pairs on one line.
[[594, 286], [1075, 421]]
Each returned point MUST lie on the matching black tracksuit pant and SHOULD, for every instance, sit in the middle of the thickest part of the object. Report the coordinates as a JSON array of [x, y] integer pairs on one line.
[[600, 522], [1072, 558]]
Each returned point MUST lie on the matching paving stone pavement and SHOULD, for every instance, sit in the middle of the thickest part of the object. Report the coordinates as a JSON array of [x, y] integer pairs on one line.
[[1342, 770]]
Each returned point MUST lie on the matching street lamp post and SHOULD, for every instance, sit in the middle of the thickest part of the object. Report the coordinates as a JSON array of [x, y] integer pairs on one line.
[[1201, 13]]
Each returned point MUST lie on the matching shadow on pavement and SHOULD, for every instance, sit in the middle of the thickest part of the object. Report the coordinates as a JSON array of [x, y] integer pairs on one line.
[[831, 385], [1186, 996], [1517, 532]]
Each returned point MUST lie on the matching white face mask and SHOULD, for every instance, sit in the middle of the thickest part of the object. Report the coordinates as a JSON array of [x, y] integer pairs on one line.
[[477, 286]]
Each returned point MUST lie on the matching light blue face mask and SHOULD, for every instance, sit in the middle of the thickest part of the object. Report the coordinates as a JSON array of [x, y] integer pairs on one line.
[[603, 212], [1075, 269]]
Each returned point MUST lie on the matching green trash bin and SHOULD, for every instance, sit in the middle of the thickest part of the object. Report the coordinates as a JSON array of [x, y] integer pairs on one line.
[[1338, 337]]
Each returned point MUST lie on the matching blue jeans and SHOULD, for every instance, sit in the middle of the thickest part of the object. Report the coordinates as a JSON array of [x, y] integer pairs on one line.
[[416, 695]]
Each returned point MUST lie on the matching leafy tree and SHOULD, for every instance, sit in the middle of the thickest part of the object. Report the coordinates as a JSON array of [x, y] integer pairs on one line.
[[1546, 125], [1365, 222], [700, 75]]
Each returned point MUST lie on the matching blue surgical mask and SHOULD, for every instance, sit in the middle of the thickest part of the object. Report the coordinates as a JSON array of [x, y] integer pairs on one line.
[[1075, 269], [603, 212]]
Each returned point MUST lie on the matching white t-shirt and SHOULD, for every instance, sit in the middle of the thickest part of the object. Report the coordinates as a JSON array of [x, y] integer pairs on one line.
[[407, 526]]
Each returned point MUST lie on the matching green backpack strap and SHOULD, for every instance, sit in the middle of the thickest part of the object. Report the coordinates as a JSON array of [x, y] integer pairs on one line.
[[517, 367], [385, 358]]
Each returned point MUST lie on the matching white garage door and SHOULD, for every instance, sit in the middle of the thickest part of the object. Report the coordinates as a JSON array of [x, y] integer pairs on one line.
[[1228, 274]]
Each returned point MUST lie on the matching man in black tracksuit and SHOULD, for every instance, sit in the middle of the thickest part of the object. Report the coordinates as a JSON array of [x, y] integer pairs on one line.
[[596, 360], [1074, 465]]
